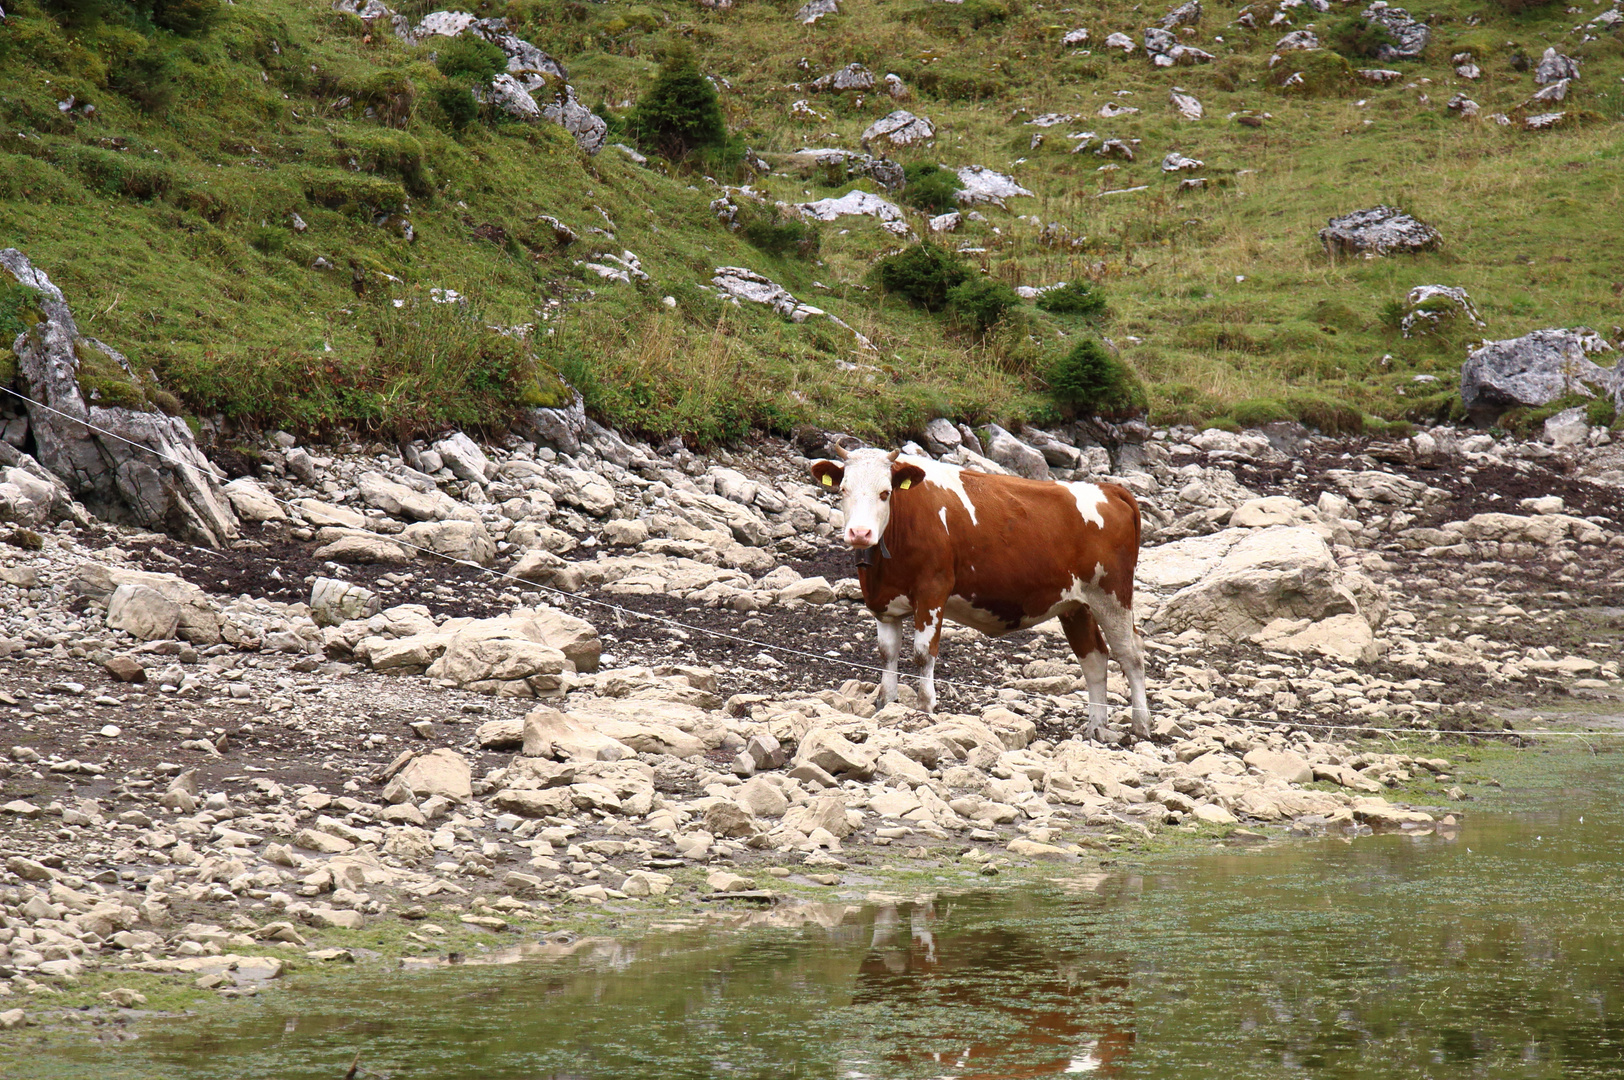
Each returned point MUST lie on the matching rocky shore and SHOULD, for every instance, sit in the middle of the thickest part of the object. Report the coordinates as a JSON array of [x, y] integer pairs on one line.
[[486, 690]]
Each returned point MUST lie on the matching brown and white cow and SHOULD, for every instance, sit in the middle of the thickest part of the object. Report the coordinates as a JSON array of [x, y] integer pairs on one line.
[[994, 553]]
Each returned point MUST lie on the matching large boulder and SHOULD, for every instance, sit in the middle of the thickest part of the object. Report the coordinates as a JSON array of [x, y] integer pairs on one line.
[[1410, 37], [401, 500], [87, 411], [441, 772], [1235, 583], [1014, 455], [27, 498], [498, 659], [900, 128], [1381, 230], [462, 541], [1535, 369], [199, 620], [590, 129], [333, 602], [142, 612]]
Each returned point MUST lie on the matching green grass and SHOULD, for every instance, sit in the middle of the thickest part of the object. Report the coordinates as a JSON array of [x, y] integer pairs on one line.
[[167, 216]]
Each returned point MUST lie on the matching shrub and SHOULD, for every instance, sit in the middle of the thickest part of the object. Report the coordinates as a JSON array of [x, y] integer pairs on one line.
[[780, 235], [457, 104], [1073, 298], [930, 188], [188, 18], [1600, 412], [922, 275], [146, 77], [680, 113], [1089, 380], [980, 303], [1357, 39], [469, 60]]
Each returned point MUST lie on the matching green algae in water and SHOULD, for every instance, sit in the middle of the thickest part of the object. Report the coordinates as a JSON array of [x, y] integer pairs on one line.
[[1492, 950]]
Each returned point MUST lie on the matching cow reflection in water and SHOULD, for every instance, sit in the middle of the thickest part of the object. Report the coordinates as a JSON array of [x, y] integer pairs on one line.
[[1022, 1010]]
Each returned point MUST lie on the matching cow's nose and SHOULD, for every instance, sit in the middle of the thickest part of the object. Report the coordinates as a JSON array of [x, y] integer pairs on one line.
[[860, 537]]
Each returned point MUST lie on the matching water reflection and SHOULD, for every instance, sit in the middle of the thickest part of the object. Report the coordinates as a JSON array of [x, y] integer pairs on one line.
[[1495, 951], [993, 1001]]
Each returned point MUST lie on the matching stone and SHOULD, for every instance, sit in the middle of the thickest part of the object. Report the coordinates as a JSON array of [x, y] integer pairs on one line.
[[761, 798], [401, 501], [850, 77], [1287, 765], [549, 733], [461, 541], [1346, 637], [125, 669], [323, 842], [333, 602], [548, 802], [1184, 104], [123, 463], [900, 128], [814, 10], [590, 130], [27, 498], [1015, 455], [509, 95], [1553, 67], [441, 772], [812, 590], [726, 818], [1410, 37], [482, 655], [363, 549], [1431, 306], [252, 502], [1177, 162], [727, 881], [835, 755], [143, 612], [764, 751], [1381, 230], [941, 437], [1536, 369], [982, 185], [1567, 428], [322, 514], [827, 812], [576, 638], [464, 458], [855, 203], [892, 764]]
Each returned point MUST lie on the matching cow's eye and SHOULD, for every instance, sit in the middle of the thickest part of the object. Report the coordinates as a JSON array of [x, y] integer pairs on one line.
[[885, 496]]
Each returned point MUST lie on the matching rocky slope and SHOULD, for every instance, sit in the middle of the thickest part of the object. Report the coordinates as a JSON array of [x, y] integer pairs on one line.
[[490, 684]]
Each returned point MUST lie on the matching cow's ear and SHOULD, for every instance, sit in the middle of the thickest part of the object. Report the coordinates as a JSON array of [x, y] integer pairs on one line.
[[906, 476], [827, 473]]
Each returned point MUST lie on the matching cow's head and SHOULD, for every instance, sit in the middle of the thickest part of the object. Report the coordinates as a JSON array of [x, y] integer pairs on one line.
[[866, 483]]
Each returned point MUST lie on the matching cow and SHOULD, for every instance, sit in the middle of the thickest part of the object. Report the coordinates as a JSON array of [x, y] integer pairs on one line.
[[998, 554]]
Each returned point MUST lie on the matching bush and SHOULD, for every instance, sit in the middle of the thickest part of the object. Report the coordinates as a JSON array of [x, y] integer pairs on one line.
[[922, 275], [1357, 39], [188, 18], [680, 113], [469, 61], [980, 303], [930, 188], [146, 77], [1600, 412], [457, 104], [1090, 381], [1073, 298], [779, 235]]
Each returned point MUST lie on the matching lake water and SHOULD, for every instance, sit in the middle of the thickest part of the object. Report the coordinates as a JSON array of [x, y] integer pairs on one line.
[[1492, 950]]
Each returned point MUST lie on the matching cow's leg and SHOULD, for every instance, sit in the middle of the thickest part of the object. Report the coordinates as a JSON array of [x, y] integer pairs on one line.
[[1083, 633], [1116, 625], [927, 641], [890, 635]]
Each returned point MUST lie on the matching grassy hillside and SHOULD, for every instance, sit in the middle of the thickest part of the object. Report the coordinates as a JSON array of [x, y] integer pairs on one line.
[[167, 214]]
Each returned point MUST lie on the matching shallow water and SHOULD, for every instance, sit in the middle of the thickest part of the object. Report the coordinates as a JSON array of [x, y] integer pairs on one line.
[[1492, 950]]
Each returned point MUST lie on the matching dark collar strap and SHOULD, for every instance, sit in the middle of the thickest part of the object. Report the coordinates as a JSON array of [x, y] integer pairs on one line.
[[865, 556]]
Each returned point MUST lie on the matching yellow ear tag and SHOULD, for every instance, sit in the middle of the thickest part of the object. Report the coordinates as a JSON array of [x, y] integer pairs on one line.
[[828, 481], [906, 484]]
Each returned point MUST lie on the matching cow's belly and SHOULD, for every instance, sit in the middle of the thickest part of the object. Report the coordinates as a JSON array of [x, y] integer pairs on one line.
[[994, 623]]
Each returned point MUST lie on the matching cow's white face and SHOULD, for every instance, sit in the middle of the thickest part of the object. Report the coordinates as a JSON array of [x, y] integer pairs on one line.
[[867, 482]]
